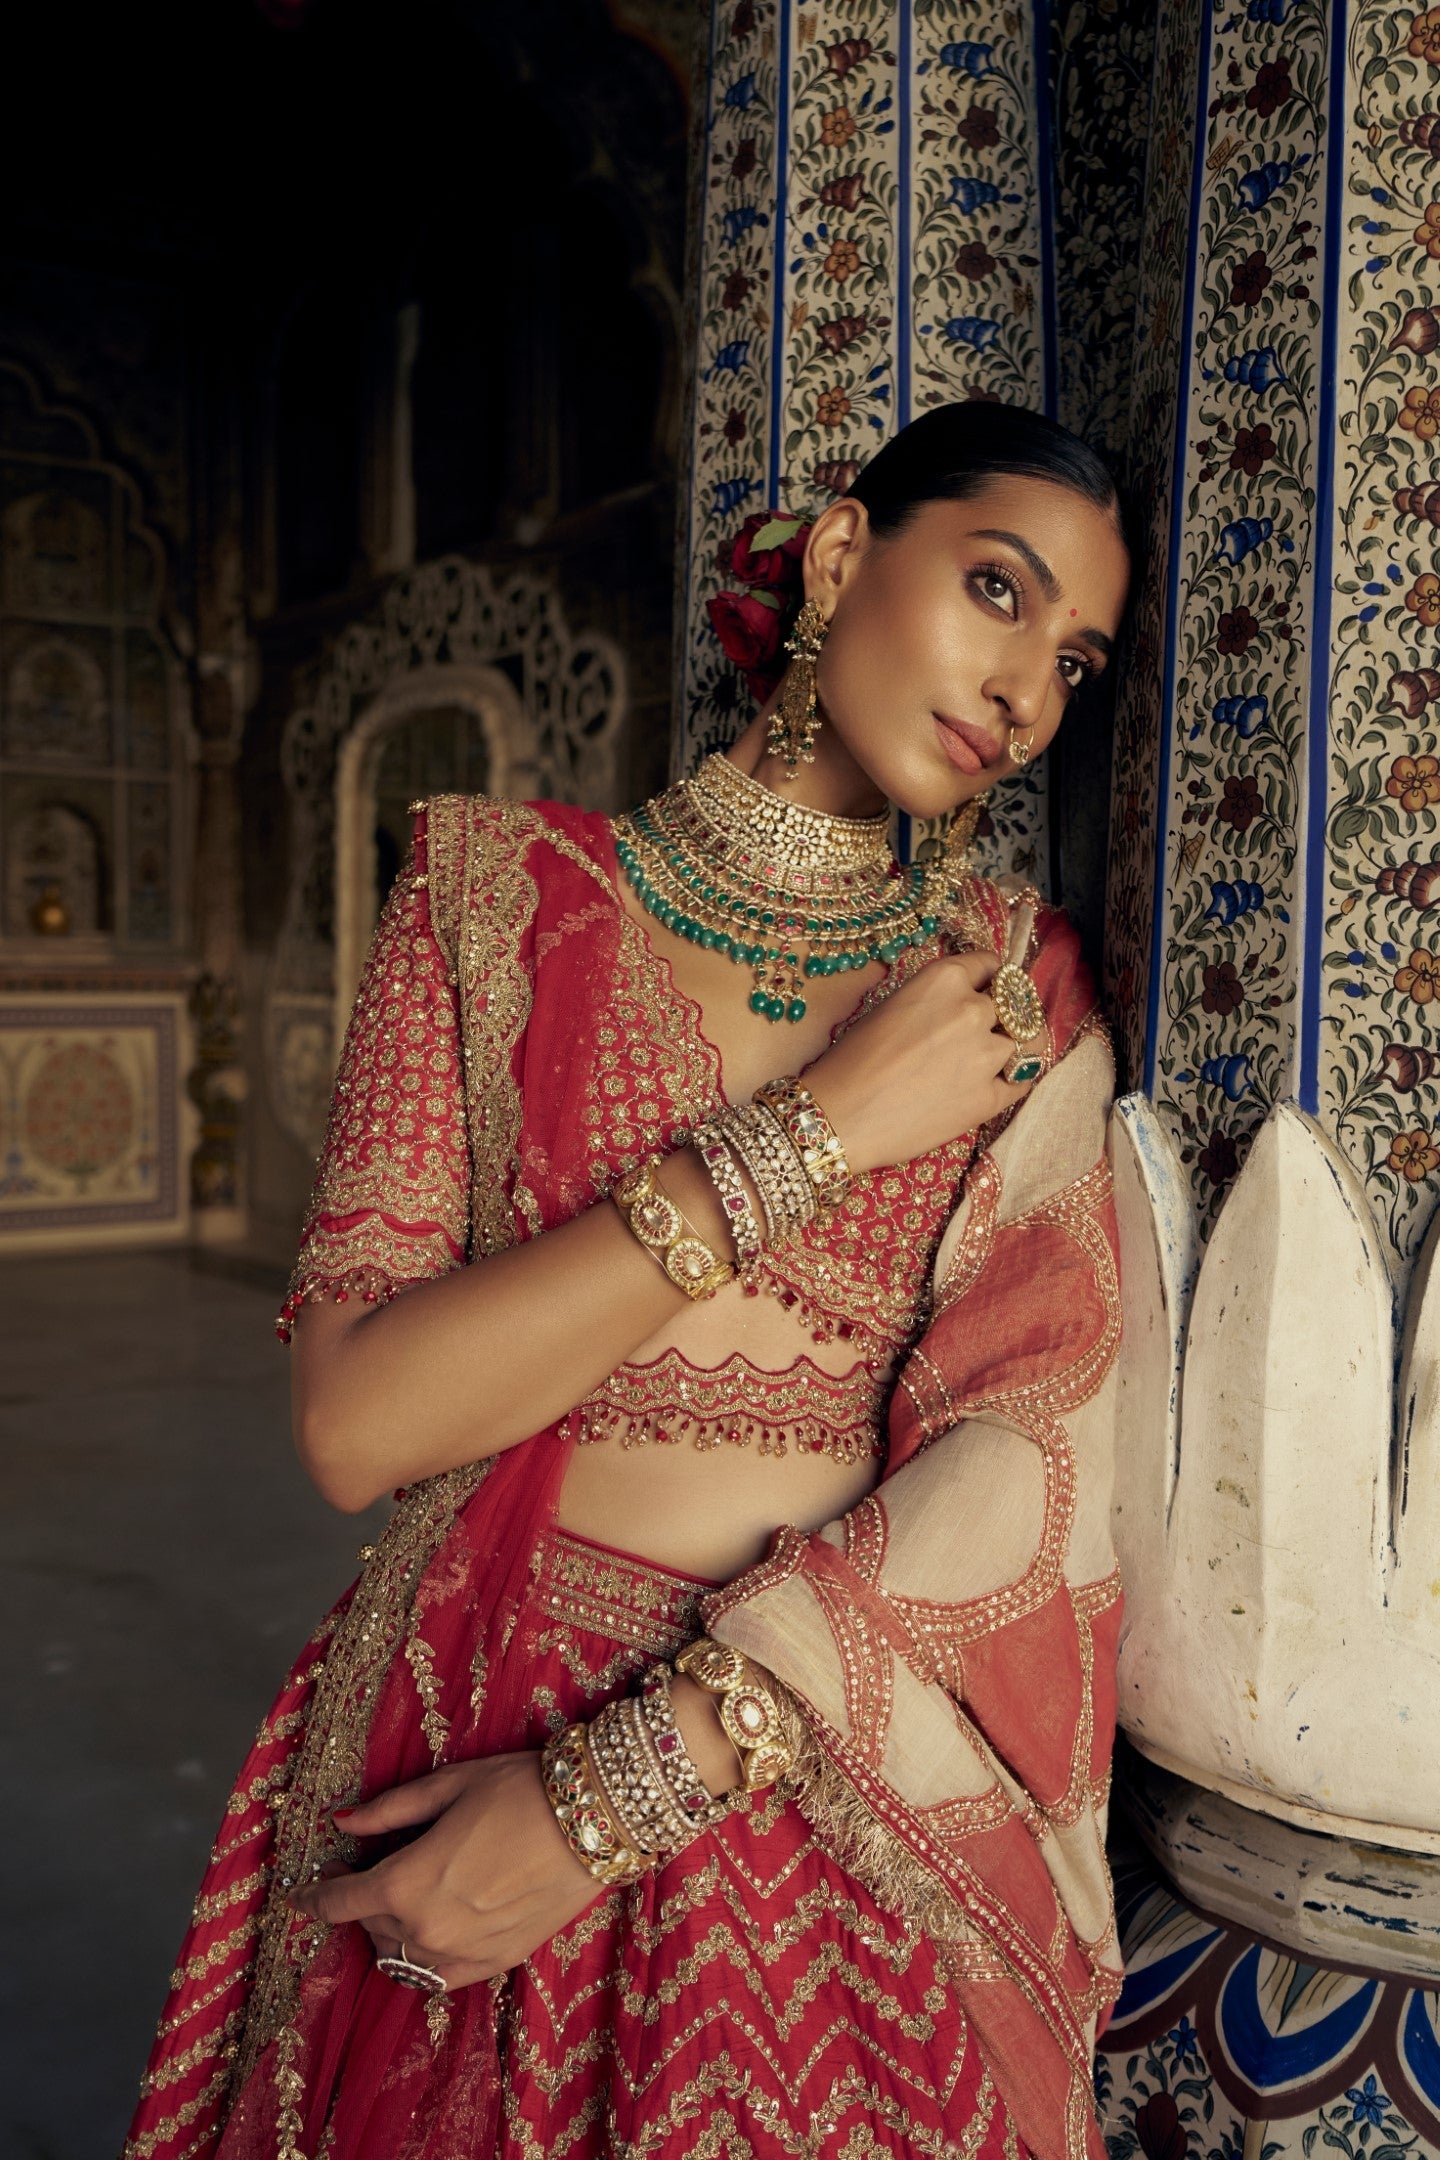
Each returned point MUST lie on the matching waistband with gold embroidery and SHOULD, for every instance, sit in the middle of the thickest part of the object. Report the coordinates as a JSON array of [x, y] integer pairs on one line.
[[622, 1595]]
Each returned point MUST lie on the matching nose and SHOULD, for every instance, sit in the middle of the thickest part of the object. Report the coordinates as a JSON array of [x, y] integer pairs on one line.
[[1020, 691]]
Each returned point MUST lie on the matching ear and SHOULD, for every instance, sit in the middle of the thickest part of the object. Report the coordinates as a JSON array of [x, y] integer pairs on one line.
[[838, 540]]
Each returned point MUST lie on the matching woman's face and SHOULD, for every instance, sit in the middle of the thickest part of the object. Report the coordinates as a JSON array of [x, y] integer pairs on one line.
[[976, 622]]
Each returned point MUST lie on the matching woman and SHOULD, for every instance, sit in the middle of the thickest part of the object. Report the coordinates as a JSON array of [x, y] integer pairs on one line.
[[551, 1844]]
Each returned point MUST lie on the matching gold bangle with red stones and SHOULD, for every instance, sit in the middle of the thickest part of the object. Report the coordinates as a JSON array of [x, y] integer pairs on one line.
[[711, 1146], [748, 1711], [812, 1136], [591, 1832]]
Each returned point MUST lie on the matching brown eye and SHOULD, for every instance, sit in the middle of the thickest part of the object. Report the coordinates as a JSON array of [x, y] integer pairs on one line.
[[998, 587]]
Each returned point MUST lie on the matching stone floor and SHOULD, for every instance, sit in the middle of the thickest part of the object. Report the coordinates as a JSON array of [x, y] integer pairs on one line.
[[161, 1555]]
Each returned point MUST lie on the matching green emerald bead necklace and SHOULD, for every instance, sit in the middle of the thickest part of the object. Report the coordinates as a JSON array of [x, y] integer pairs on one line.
[[790, 892]]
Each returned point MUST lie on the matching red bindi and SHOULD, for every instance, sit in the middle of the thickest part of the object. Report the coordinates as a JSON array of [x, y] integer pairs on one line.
[[1073, 613]]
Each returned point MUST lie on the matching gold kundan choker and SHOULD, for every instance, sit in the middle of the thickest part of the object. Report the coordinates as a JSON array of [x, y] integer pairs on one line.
[[790, 892]]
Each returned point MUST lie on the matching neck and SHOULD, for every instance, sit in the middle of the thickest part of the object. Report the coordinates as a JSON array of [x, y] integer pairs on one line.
[[834, 783]]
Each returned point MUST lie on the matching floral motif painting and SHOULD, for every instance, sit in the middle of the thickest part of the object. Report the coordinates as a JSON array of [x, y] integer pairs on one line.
[[89, 1119], [1374, 1046], [1148, 461], [1241, 630], [1221, 2045]]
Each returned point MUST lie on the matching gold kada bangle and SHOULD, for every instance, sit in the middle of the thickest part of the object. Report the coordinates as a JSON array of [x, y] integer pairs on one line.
[[812, 1136], [652, 1217], [747, 1709], [598, 1842]]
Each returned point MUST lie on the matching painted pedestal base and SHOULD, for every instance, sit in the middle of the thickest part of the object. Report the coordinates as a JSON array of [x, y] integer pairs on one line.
[[1226, 2047]]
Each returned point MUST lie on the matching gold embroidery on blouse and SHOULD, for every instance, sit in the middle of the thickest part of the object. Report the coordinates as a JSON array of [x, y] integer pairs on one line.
[[220, 1901], [738, 1404], [207, 2001], [202, 2050], [656, 1076], [194, 1968], [390, 1201]]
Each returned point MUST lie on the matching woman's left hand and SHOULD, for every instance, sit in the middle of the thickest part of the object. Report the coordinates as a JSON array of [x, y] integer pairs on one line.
[[476, 1894]]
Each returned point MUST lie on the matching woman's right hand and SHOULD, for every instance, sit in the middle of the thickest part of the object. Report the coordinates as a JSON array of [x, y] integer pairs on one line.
[[920, 1068]]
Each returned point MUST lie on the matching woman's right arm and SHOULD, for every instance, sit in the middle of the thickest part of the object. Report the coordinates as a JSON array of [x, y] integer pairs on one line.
[[475, 1361], [471, 1363]]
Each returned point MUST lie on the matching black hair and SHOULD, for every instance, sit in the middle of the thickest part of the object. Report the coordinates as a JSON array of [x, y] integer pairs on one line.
[[949, 454]]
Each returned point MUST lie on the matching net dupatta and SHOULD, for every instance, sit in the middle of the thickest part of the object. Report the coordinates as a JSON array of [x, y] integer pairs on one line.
[[947, 1649]]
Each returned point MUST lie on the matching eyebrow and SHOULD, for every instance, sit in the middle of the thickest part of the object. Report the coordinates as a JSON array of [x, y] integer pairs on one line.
[[1044, 577]]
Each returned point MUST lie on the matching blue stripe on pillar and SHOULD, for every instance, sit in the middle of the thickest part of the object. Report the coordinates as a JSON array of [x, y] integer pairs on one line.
[[1177, 520], [1045, 148], [680, 738], [1317, 748], [904, 75], [777, 298]]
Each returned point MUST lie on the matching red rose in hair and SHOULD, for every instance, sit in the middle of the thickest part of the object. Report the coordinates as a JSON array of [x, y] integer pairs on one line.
[[748, 630], [775, 562]]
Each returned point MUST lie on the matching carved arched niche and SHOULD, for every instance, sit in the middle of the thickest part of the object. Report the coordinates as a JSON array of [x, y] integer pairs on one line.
[[479, 672], [468, 724]]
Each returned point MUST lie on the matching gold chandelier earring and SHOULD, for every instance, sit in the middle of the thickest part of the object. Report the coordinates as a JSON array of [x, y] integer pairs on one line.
[[795, 722], [1020, 751], [961, 833]]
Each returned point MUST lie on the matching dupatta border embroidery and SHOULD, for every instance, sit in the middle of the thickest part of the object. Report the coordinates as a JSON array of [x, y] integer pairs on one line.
[[482, 896], [485, 896], [330, 1768]]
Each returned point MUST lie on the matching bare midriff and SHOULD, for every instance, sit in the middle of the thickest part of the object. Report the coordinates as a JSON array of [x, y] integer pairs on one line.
[[709, 1495]]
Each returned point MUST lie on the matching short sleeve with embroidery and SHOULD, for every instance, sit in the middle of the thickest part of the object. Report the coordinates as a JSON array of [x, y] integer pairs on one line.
[[391, 1203]]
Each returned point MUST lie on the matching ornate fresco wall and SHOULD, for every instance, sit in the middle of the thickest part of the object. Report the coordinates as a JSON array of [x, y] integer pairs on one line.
[[94, 811], [1205, 236]]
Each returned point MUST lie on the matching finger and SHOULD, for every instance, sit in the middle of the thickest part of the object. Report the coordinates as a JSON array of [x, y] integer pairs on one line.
[[420, 1801], [348, 1897], [332, 1871], [978, 968]]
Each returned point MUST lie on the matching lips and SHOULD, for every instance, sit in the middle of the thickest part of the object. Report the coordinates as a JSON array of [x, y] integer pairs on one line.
[[971, 748]]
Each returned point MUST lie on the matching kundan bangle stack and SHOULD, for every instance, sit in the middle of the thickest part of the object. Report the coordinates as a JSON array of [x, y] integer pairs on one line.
[[624, 1789], [791, 1153]]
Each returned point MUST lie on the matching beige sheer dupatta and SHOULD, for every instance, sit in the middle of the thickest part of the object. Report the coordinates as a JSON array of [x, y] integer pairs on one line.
[[947, 1648]]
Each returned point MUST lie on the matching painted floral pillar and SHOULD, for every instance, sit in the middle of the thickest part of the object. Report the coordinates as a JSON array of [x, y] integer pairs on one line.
[[1209, 237], [1272, 979]]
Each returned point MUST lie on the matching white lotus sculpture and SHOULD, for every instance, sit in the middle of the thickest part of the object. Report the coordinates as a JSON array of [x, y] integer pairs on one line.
[[1277, 1499]]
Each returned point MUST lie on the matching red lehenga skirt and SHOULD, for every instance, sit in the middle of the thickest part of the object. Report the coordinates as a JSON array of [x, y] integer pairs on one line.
[[748, 1999]]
